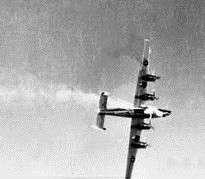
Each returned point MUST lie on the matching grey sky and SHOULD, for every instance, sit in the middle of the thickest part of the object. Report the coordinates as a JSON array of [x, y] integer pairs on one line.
[[56, 56]]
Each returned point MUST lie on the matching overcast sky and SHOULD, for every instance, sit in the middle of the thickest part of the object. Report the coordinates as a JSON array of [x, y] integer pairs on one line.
[[55, 58]]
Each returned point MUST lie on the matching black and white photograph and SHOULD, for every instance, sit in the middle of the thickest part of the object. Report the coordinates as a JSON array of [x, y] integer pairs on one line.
[[102, 89]]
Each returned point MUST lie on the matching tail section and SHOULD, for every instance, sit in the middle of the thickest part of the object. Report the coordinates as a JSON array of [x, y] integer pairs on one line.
[[100, 121], [102, 107], [103, 101]]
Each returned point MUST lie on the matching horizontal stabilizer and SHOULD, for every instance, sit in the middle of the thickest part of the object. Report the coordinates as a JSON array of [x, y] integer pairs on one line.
[[100, 121]]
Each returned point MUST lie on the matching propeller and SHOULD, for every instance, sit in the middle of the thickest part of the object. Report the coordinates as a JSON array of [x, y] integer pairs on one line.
[[150, 117], [153, 92], [150, 122], [153, 72], [152, 128]]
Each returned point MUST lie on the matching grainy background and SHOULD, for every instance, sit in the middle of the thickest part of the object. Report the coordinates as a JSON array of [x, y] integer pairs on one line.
[[55, 57]]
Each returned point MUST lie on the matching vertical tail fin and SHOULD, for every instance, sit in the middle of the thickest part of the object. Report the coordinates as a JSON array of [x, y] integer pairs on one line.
[[103, 101], [102, 107], [100, 121]]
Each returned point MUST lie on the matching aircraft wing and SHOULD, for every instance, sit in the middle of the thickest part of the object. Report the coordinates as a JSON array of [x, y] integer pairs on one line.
[[140, 90], [142, 85]]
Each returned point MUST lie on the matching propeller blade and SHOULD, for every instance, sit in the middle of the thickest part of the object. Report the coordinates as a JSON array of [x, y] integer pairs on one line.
[[153, 128], [150, 116]]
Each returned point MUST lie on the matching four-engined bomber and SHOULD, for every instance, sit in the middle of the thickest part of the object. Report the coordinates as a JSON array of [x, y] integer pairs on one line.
[[138, 113]]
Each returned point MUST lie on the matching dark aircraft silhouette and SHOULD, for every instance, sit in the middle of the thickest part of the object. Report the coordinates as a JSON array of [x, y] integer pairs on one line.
[[138, 113]]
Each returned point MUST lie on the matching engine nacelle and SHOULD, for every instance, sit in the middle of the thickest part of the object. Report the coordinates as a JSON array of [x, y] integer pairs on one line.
[[143, 84], [138, 144], [147, 97], [149, 77], [142, 126]]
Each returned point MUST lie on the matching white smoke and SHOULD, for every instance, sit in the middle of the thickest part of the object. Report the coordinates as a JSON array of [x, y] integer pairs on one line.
[[45, 126], [56, 95], [81, 97]]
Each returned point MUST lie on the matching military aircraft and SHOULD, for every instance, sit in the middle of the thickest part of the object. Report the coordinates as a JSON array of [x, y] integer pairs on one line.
[[138, 113]]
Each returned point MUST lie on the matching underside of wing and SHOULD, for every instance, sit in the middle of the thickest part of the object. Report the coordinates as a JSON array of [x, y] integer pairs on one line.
[[133, 142], [135, 130], [141, 87]]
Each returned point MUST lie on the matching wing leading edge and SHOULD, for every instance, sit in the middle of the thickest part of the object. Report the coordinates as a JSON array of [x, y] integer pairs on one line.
[[134, 141]]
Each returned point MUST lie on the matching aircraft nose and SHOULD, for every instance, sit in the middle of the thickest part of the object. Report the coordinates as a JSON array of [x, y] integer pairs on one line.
[[167, 113]]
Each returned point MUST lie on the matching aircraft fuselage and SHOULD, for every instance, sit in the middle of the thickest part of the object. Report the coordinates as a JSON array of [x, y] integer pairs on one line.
[[129, 113], [134, 113]]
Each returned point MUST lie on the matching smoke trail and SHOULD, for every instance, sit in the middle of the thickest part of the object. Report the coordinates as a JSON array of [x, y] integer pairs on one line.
[[86, 98], [54, 94], [47, 123]]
